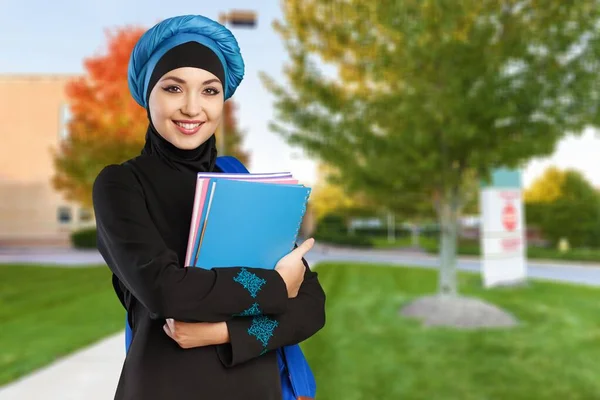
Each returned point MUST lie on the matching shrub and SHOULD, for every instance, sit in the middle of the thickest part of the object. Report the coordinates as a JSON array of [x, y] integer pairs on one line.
[[84, 238], [343, 239]]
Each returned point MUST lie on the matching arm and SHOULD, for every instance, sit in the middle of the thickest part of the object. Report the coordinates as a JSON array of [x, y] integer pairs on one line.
[[135, 252], [253, 335]]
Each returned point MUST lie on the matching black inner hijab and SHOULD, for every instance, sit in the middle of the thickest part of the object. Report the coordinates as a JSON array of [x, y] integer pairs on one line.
[[202, 158]]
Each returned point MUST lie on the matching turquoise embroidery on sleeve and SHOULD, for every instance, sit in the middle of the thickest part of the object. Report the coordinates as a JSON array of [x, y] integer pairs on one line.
[[249, 281], [250, 312], [262, 329]]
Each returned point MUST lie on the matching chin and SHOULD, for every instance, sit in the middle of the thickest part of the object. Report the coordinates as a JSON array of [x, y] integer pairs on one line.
[[190, 142]]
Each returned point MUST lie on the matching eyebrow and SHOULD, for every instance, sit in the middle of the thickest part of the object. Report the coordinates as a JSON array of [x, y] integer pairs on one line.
[[179, 80]]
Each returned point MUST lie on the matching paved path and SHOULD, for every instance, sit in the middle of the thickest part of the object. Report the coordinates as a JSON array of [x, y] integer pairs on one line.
[[92, 373], [575, 272]]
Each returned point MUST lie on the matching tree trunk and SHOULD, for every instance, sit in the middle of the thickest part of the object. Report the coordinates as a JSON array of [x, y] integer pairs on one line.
[[415, 235], [448, 218]]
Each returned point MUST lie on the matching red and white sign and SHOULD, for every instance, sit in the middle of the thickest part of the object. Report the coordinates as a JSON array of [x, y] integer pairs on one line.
[[509, 217], [502, 236]]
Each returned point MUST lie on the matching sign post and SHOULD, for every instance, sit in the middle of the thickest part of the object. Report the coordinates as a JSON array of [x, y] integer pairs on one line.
[[502, 230]]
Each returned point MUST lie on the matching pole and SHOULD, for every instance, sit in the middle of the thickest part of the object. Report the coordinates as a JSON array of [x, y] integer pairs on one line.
[[391, 228]]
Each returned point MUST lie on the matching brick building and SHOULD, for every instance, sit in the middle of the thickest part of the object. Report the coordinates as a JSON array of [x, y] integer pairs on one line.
[[33, 116]]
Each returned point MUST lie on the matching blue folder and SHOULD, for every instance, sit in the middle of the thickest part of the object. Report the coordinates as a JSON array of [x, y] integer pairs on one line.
[[250, 224]]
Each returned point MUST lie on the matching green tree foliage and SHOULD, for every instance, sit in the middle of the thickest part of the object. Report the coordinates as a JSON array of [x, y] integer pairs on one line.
[[572, 211], [426, 95]]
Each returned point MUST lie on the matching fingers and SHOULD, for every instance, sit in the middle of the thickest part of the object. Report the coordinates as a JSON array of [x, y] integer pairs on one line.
[[169, 328], [171, 324], [168, 331], [304, 247]]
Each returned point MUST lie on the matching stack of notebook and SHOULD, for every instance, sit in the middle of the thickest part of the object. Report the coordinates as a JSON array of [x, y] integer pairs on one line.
[[249, 220]]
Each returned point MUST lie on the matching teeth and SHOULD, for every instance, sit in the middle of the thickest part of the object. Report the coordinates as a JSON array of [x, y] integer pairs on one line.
[[188, 126]]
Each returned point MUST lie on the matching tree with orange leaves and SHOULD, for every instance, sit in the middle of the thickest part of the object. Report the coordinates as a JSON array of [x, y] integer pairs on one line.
[[107, 126], [233, 135]]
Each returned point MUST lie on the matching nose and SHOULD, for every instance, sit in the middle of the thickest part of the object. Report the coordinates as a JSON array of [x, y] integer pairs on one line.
[[192, 106]]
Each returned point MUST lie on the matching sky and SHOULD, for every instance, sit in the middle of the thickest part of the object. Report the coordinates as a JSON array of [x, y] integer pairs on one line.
[[42, 37]]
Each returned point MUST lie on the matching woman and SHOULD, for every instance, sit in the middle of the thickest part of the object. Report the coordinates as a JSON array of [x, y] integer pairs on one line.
[[197, 333]]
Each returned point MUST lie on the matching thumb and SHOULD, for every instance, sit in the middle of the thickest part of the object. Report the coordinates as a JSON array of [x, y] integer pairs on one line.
[[304, 247]]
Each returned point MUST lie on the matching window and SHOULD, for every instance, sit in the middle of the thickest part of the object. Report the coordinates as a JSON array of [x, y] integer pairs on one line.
[[65, 117], [64, 215], [85, 215]]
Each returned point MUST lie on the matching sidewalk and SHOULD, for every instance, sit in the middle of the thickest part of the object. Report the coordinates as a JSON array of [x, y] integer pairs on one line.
[[89, 374]]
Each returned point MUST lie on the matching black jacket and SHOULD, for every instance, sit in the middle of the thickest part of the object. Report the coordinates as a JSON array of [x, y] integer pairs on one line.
[[143, 210]]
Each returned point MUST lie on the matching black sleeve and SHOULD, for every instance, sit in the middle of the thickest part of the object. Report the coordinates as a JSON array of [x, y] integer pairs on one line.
[[255, 333], [136, 253]]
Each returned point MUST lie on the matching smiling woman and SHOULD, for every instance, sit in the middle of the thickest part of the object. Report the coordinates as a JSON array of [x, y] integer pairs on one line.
[[186, 103], [186, 106], [213, 334]]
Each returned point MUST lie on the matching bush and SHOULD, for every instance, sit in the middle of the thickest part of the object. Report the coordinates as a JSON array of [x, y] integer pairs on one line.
[[430, 231], [343, 239], [574, 215], [332, 223], [332, 229], [84, 238], [382, 232], [465, 247]]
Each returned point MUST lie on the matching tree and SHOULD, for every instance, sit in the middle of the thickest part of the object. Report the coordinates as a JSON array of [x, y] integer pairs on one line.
[[563, 204], [107, 125], [233, 134], [327, 197], [547, 188], [430, 92]]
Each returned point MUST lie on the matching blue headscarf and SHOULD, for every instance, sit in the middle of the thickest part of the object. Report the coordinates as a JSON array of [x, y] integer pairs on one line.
[[174, 31]]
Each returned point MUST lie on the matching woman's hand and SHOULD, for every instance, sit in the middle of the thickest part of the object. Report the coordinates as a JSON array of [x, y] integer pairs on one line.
[[196, 334], [291, 268]]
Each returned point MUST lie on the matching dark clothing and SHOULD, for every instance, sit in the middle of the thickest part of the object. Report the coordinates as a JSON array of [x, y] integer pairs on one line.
[[143, 210]]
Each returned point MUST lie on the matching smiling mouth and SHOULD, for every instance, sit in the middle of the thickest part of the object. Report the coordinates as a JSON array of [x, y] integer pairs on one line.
[[187, 125]]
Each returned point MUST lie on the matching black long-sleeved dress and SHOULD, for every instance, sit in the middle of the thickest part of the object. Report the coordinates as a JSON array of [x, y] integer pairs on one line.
[[143, 210]]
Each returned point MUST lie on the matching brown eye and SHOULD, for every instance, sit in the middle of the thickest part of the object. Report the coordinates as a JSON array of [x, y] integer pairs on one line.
[[172, 89], [211, 91]]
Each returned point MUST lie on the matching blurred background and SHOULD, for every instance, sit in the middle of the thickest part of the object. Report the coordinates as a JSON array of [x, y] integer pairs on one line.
[[452, 148]]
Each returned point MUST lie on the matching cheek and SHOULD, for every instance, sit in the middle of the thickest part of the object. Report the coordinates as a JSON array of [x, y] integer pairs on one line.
[[214, 110], [167, 107], [162, 108]]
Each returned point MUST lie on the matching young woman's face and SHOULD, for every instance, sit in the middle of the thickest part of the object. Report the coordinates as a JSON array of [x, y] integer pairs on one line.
[[186, 105]]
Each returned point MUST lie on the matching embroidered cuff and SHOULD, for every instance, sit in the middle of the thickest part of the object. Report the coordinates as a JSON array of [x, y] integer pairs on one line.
[[250, 337], [251, 291]]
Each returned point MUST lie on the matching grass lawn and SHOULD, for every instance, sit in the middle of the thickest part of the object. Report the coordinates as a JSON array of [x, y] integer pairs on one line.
[[46, 313], [366, 351]]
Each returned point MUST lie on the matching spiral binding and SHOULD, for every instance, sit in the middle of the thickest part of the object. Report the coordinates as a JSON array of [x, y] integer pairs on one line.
[[301, 217]]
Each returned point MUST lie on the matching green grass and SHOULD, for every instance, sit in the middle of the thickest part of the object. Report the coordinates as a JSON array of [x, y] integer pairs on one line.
[[47, 312], [367, 351]]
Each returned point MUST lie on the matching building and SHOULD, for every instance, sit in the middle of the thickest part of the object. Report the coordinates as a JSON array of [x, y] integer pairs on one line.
[[33, 117]]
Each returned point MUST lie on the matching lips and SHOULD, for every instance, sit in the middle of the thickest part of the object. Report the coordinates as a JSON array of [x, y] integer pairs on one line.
[[188, 127]]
